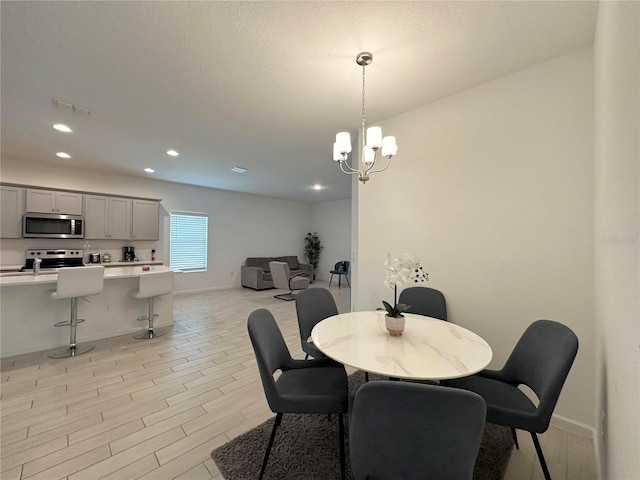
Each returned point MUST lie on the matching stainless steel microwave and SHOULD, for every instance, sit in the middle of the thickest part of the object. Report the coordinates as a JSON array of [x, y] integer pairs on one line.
[[49, 225]]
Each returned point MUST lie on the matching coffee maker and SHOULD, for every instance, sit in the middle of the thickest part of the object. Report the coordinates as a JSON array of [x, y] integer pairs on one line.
[[128, 254]]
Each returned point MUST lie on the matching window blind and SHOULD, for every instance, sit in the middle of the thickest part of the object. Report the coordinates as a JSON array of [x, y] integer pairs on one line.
[[188, 241]]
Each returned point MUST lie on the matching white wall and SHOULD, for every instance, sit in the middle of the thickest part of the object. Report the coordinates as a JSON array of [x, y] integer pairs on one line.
[[240, 225], [493, 187], [617, 236], [332, 221]]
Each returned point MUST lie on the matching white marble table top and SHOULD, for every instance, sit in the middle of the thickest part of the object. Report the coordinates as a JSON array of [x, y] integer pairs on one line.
[[429, 349]]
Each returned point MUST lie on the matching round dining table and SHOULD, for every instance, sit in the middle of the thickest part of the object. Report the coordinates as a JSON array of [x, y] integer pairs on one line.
[[428, 349]]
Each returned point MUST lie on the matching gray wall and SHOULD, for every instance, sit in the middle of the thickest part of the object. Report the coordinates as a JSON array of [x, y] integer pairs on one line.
[[494, 189], [332, 221], [617, 237]]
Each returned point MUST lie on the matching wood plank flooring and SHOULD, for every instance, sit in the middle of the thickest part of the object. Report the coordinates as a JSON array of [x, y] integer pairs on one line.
[[155, 409]]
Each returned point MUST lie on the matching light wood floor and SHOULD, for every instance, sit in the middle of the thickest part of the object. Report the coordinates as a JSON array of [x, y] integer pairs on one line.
[[155, 409]]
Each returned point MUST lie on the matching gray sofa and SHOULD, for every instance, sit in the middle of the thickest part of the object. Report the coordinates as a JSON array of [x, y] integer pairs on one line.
[[255, 272]]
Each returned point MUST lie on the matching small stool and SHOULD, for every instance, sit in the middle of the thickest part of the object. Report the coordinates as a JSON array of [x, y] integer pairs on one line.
[[151, 285], [74, 283]]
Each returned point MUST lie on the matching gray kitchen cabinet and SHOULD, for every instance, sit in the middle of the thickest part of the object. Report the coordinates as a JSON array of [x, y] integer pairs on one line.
[[145, 220], [107, 217], [52, 201], [12, 203]]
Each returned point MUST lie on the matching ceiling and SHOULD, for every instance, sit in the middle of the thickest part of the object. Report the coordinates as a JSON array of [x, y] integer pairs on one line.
[[261, 85]]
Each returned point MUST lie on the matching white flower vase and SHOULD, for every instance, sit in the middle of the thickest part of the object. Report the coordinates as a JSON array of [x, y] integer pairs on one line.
[[394, 325]]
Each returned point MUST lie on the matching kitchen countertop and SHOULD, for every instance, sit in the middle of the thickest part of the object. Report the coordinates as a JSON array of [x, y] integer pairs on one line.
[[11, 270], [110, 273]]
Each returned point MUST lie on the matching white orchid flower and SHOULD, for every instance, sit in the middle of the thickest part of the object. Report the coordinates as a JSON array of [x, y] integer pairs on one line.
[[403, 270]]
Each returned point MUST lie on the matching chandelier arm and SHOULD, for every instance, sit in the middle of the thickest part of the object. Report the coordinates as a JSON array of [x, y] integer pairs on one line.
[[382, 169], [351, 171]]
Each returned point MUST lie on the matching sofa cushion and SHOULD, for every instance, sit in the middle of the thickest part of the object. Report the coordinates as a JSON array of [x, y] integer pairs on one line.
[[291, 260], [260, 262]]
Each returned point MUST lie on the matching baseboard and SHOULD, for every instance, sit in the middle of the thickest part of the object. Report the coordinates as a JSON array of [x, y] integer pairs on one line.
[[582, 430], [596, 447], [573, 426]]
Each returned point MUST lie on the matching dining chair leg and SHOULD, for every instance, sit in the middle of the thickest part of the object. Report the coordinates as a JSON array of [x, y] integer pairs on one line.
[[341, 433], [346, 277], [543, 463], [331, 279], [515, 438], [273, 435]]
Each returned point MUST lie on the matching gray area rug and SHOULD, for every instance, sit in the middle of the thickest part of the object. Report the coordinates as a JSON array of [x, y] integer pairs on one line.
[[306, 447]]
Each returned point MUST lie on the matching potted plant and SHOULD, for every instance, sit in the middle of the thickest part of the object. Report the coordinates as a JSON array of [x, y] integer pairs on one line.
[[312, 249], [394, 320], [399, 271]]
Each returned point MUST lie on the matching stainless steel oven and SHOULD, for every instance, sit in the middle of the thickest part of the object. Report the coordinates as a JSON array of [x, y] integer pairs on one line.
[[52, 259], [49, 225]]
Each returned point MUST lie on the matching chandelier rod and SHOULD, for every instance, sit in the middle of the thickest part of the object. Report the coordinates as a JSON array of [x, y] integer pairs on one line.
[[364, 64]]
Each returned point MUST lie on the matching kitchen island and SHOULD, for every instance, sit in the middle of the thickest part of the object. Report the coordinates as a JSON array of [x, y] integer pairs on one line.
[[28, 313]]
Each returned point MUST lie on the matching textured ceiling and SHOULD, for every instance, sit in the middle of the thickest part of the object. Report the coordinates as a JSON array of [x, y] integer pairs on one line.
[[262, 85]]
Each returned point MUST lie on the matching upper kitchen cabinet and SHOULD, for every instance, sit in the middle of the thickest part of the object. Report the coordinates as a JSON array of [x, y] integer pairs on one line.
[[50, 201], [107, 217], [12, 204], [145, 220]]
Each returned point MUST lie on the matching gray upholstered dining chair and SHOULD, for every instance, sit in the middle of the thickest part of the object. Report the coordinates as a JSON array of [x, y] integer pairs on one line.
[[303, 386], [401, 430], [283, 280], [541, 360], [312, 306], [424, 301]]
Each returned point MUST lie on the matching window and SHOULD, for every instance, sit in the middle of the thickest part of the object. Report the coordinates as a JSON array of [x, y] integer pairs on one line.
[[188, 241]]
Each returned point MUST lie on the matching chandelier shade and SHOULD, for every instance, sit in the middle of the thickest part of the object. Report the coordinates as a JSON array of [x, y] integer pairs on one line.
[[372, 140]]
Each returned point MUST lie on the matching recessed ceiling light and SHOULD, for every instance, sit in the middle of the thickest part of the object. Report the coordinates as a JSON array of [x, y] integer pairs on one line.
[[317, 186], [61, 127], [149, 170], [238, 169], [63, 155], [173, 153]]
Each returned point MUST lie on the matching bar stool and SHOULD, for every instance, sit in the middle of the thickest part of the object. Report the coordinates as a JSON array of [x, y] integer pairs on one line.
[[151, 285], [74, 283]]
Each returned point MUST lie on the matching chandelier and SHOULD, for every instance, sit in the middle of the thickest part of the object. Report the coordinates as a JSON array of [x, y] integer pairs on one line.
[[371, 142]]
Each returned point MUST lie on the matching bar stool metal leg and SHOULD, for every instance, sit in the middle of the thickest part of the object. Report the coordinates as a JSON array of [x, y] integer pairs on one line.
[[73, 349], [150, 332]]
